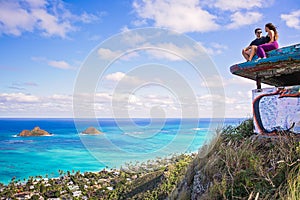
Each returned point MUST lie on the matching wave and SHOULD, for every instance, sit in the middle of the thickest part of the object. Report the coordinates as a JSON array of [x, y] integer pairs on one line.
[[149, 132], [90, 134], [18, 141], [134, 133], [200, 129], [47, 135], [16, 136]]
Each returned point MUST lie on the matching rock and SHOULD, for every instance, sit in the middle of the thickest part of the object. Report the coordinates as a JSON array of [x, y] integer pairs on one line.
[[25, 133], [91, 131], [34, 132]]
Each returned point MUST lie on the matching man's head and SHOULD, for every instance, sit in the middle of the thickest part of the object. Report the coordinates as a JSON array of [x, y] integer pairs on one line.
[[258, 32]]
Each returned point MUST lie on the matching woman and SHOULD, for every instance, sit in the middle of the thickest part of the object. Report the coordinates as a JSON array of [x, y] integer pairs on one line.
[[272, 44]]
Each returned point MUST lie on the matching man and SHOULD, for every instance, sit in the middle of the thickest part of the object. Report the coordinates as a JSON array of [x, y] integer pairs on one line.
[[253, 45]]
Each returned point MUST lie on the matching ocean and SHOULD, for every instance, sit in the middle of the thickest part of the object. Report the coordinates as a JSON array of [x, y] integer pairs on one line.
[[123, 141]]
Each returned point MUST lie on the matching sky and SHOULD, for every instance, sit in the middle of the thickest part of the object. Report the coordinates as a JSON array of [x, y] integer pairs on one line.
[[147, 49]]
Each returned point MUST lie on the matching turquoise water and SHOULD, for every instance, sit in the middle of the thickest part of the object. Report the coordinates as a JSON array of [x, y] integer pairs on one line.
[[122, 141]]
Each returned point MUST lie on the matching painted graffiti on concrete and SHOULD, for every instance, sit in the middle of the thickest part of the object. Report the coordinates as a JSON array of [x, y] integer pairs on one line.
[[276, 109]]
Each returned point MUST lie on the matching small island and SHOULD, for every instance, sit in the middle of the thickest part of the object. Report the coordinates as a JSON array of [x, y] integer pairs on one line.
[[34, 132], [91, 131]]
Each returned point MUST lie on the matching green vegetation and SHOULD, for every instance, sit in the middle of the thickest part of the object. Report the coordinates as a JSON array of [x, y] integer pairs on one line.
[[154, 179], [236, 164], [241, 165], [157, 183]]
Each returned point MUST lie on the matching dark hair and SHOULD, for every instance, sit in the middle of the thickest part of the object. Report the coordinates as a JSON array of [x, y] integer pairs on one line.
[[273, 28], [257, 29]]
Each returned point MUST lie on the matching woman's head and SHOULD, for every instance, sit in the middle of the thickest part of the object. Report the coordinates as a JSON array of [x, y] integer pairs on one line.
[[270, 26]]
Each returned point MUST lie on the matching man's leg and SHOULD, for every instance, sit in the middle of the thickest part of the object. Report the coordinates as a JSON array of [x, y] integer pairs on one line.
[[253, 51], [246, 54]]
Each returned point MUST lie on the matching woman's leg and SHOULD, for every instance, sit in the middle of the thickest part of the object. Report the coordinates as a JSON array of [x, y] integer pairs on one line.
[[262, 49]]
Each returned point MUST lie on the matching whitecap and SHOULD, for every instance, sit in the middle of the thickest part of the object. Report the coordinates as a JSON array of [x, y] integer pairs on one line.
[[18, 141], [134, 133], [16, 136], [48, 135], [199, 129], [89, 134]]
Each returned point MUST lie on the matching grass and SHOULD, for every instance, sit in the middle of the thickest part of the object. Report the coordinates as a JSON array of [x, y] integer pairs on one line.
[[155, 184], [241, 165]]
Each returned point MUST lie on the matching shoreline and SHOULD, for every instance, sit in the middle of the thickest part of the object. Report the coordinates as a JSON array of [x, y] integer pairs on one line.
[[85, 184], [136, 163]]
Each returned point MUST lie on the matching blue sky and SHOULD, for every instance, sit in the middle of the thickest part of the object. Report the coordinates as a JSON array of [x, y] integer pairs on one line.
[[44, 45]]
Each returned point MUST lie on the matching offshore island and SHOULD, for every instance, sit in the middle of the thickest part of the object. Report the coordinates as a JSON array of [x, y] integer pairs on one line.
[[34, 132], [91, 131]]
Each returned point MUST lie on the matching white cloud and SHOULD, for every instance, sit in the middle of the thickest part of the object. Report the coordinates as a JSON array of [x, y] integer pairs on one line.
[[234, 5], [236, 79], [102, 96], [60, 64], [49, 24], [166, 51], [61, 98], [36, 3], [171, 52], [125, 29], [183, 16], [247, 84], [47, 17], [137, 105], [108, 54], [143, 45], [215, 49], [88, 18], [139, 22], [27, 105], [125, 80], [21, 21], [159, 99], [18, 98], [213, 82], [243, 18], [292, 19], [117, 76], [132, 38], [208, 99]]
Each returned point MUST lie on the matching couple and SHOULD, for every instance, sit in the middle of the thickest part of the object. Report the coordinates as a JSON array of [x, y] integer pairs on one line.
[[262, 44]]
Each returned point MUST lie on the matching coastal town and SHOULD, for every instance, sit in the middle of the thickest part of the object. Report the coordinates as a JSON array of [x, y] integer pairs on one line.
[[105, 184]]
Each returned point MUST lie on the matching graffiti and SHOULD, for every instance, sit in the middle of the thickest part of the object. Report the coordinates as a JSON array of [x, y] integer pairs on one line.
[[276, 109]]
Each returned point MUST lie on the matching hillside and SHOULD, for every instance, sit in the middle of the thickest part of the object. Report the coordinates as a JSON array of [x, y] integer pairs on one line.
[[240, 165]]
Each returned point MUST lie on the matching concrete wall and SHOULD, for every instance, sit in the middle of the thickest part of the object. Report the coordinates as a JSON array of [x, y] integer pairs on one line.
[[276, 109]]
